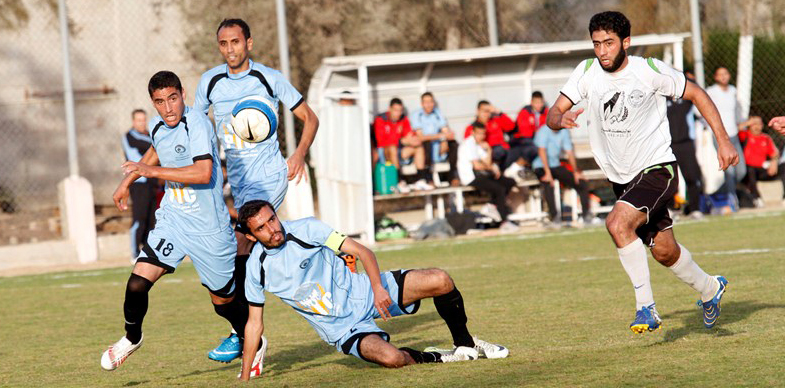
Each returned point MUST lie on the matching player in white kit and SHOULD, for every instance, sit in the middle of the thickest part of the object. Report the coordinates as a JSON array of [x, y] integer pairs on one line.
[[630, 139]]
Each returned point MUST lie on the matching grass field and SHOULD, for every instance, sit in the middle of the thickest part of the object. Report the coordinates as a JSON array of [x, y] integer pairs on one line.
[[561, 302]]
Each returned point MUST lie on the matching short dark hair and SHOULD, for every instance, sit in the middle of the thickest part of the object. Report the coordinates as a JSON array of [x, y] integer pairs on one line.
[[482, 102], [250, 209], [478, 125], [610, 21], [537, 94], [396, 101], [138, 110], [164, 79], [235, 22], [716, 69], [426, 94]]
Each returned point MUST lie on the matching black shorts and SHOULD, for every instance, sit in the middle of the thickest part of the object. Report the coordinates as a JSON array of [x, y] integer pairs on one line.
[[650, 192]]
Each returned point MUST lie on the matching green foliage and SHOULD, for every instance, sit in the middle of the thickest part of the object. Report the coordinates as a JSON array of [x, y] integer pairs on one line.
[[559, 301]]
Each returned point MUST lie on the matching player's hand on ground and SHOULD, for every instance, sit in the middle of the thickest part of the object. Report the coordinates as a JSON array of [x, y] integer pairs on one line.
[[120, 197], [296, 164], [727, 155], [569, 117], [381, 300], [140, 169], [778, 124]]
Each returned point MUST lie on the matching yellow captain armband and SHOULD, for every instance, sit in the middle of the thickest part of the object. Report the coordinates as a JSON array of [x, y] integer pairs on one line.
[[334, 241]]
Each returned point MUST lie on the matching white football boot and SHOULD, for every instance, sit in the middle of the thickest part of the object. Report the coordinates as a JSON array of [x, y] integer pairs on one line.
[[117, 353], [461, 353], [489, 350], [258, 361]]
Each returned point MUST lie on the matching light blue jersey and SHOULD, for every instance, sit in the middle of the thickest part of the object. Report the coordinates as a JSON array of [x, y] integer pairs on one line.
[[254, 169], [308, 276], [193, 209], [430, 124], [554, 142]]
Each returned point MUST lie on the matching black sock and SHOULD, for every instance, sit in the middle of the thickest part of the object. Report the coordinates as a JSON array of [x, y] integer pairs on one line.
[[423, 174], [236, 312], [423, 357], [450, 308], [135, 306], [239, 277]]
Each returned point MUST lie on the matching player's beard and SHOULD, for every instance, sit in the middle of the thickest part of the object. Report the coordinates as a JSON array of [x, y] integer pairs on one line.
[[616, 63]]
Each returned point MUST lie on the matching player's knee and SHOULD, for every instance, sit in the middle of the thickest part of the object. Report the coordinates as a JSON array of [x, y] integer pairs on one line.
[[616, 225], [138, 284], [442, 281]]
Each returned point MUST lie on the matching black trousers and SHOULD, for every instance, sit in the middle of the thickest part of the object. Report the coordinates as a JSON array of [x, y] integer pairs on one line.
[[452, 157], [755, 174], [498, 189], [566, 178], [688, 163], [143, 206]]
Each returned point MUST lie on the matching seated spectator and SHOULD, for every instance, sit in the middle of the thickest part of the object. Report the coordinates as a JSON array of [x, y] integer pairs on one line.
[[398, 142], [529, 119], [439, 140], [547, 166], [496, 124], [761, 156], [476, 169]]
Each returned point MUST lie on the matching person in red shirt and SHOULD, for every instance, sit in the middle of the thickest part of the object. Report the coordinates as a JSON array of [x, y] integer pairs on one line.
[[496, 124], [529, 119], [395, 137], [761, 156]]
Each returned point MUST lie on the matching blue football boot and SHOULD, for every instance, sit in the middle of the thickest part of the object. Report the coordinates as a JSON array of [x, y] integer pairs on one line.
[[646, 319], [229, 349], [711, 309]]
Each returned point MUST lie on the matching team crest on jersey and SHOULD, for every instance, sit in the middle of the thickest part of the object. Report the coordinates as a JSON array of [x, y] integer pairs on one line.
[[613, 108], [179, 148], [636, 98], [305, 263], [312, 297]]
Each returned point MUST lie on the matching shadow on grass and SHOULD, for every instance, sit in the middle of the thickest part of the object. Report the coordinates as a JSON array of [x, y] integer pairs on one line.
[[732, 312], [288, 359]]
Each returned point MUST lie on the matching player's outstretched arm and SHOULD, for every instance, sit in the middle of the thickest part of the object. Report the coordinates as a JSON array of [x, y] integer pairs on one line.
[[254, 329], [198, 173], [122, 193], [560, 116], [381, 298], [726, 152], [296, 162]]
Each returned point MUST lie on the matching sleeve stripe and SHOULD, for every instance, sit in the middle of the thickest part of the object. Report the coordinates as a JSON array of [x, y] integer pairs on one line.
[[685, 85], [568, 97], [334, 241], [255, 304], [202, 157], [297, 104]]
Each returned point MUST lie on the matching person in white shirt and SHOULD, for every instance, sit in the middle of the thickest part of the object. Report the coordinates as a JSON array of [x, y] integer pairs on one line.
[[724, 96], [630, 139], [476, 169]]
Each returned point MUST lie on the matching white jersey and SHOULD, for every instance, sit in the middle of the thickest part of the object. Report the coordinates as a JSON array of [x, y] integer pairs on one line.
[[626, 113]]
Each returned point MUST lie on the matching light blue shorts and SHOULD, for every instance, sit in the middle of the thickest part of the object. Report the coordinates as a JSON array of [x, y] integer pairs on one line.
[[213, 255], [393, 282], [272, 190]]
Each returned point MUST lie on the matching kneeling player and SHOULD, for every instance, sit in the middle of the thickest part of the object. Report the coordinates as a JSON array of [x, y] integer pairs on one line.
[[296, 260]]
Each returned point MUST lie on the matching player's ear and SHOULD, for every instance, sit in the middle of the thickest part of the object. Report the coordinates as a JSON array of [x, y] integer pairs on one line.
[[249, 43], [183, 94], [250, 237], [625, 43]]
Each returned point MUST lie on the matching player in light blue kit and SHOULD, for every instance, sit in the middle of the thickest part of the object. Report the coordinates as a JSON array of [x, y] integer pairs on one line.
[[255, 170], [296, 261], [193, 219]]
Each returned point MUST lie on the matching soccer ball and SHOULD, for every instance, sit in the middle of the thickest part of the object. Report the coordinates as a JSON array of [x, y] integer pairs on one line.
[[254, 119]]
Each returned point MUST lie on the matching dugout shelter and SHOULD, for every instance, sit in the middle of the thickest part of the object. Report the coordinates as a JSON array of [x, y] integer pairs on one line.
[[347, 92]]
